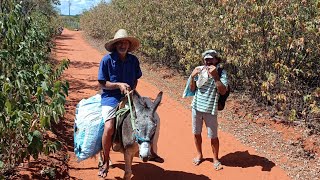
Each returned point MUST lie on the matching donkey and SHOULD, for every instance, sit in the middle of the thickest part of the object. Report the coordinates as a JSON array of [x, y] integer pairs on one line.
[[137, 131]]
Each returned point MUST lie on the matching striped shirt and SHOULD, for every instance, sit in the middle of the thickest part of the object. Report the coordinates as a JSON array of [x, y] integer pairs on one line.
[[206, 97]]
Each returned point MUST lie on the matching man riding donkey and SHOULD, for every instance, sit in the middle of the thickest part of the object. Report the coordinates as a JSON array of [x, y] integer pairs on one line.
[[118, 74]]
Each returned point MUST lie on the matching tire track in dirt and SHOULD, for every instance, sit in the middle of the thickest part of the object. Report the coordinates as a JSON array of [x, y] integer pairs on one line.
[[175, 141]]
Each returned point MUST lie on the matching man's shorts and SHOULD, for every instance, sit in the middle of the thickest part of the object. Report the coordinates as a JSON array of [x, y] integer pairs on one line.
[[108, 112], [210, 121]]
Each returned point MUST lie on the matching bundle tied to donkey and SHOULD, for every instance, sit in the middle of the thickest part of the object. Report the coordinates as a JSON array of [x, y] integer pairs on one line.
[[88, 128]]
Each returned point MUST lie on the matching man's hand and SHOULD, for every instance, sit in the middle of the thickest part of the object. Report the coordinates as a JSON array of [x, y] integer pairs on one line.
[[213, 71], [195, 72], [124, 88]]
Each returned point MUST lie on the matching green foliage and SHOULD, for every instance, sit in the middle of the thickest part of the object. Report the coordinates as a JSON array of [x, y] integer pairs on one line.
[[271, 48], [44, 7], [32, 95], [274, 46]]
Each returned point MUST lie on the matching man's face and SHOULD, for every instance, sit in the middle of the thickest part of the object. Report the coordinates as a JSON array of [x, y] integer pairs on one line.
[[122, 46], [211, 61]]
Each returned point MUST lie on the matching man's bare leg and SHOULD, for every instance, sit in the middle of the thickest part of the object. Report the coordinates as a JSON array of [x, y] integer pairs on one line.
[[106, 145], [215, 149], [198, 142]]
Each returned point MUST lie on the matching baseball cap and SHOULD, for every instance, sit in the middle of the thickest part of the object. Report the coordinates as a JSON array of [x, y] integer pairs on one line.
[[210, 54]]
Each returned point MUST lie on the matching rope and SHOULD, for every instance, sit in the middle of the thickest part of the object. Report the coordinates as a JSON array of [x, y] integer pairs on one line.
[[124, 110], [131, 113]]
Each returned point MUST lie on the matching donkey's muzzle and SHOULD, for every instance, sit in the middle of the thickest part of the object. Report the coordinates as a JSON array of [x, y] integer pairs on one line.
[[144, 151]]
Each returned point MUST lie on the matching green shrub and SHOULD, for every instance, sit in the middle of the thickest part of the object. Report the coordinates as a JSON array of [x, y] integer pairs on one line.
[[31, 96]]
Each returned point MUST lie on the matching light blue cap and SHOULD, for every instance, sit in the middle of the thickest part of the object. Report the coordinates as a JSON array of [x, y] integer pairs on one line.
[[210, 54]]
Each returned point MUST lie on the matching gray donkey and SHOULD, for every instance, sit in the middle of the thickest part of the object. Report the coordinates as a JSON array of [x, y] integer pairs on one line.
[[137, 130]]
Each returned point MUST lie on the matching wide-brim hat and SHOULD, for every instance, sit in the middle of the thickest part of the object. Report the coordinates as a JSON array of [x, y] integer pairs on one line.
[[122, 34]]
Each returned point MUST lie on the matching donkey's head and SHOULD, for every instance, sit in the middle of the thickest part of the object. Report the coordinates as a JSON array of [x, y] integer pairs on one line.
[[146, 123]]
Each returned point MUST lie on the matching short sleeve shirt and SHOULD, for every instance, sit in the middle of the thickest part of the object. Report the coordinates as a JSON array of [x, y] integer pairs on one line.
[[115, 70], [206, 97]]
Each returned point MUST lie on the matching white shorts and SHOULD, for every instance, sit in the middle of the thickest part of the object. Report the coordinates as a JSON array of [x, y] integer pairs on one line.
[[108, 112], [210, 121]]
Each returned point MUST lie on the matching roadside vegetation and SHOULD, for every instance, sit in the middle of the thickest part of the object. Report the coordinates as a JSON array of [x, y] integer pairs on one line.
[[271, 48], [32, 95]]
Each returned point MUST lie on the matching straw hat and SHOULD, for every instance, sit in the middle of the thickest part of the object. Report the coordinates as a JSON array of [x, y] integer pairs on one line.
[[122, 34]]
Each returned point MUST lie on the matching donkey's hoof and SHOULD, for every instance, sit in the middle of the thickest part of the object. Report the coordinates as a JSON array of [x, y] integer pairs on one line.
[[156, 158]]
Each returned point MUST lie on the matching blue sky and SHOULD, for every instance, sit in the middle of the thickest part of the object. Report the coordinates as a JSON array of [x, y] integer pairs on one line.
[[77, 6]]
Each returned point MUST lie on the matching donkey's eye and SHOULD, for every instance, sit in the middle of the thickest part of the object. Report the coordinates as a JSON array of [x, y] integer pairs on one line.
[[138, 130]]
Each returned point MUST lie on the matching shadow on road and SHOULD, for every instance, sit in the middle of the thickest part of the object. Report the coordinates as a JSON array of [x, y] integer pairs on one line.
[[150, 171], [64, 37], [83, 65], [244, 159]]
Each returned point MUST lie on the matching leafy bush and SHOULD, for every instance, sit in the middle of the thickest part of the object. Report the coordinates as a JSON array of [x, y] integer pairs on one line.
[[32, 96]]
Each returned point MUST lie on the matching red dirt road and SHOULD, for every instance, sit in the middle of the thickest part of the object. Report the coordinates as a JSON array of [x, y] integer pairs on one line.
[[175, 143]]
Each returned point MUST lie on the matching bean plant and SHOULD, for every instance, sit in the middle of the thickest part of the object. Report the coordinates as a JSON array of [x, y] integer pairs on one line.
[[32, 94]]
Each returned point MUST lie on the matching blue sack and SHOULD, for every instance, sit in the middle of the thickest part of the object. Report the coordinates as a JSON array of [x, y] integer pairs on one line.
[[88, 128]]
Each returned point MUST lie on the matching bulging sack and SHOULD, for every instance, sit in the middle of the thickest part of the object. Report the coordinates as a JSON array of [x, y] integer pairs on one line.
[[88, 128]]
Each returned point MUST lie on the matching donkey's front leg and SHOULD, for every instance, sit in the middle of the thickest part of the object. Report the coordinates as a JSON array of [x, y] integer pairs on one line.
[[128, 156]]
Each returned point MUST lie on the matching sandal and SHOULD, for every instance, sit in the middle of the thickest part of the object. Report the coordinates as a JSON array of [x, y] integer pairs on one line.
[[217, 166], [197, 161], [103, 171], [156, 158]]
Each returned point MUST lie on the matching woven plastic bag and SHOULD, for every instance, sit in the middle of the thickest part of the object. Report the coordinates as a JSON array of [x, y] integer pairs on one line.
[[88, 128]]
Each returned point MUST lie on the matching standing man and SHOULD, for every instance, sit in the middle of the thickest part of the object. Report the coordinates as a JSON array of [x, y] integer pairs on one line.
[[207, 86], [118, 74]]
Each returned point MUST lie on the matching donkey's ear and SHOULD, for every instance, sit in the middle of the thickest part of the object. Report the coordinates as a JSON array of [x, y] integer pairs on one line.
[[135, 93], [157, 102], [136, 96], [137, 100]]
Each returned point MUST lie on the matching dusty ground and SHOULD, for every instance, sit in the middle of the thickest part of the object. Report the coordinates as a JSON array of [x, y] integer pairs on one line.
[[252, 147]]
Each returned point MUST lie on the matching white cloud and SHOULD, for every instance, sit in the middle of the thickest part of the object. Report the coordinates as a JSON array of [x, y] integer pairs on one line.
[[77, 6]]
